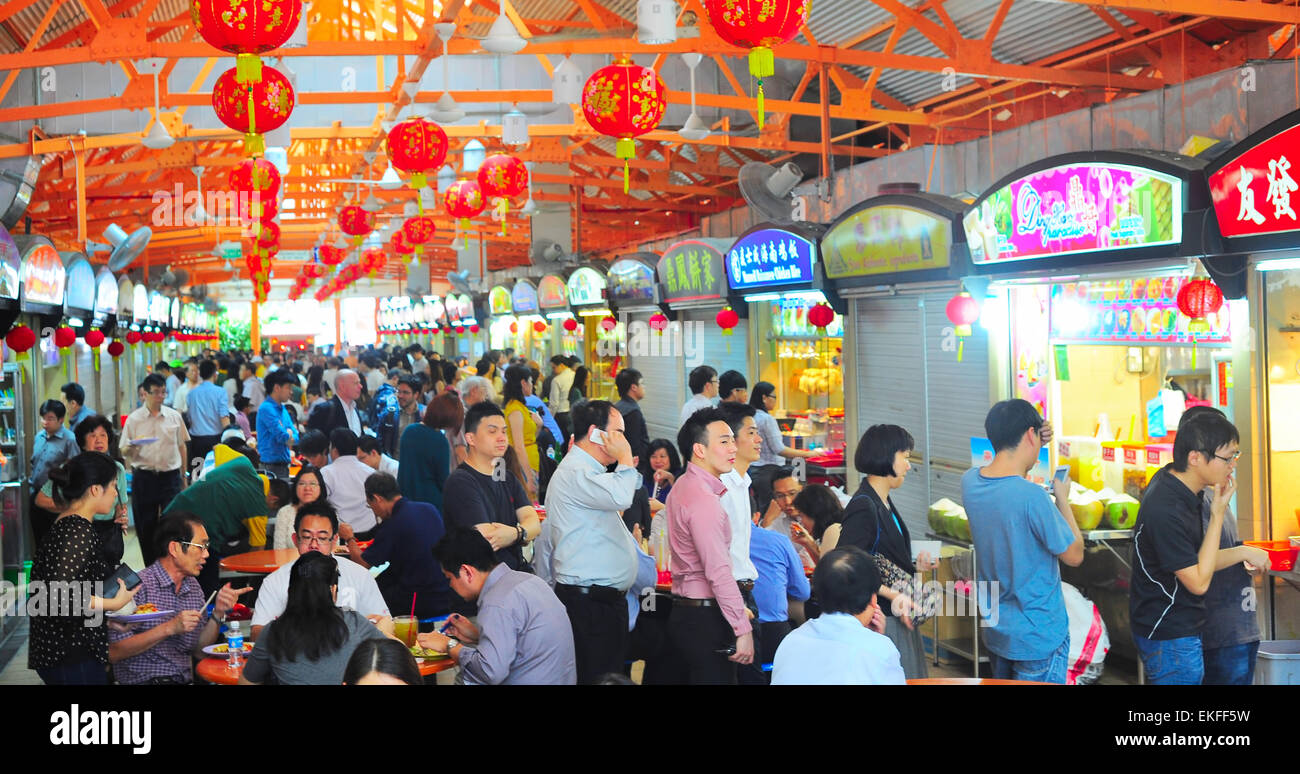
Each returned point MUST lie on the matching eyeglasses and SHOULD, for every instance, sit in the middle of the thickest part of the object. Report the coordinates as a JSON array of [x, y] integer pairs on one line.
[[308, 485], [1228, 460], [784, 495], [320, 539], [203, 547]]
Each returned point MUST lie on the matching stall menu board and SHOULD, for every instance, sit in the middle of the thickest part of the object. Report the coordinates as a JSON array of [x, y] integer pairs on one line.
[[631, 280], [139, 306], [769, 257], [585, 286], [434, 311], [886, 239], [790, 319], [552, 293], [1074, 209], [80, 285], [43, 276], [10, 261], [1130, 311], [499, 300], [106, 294], [459, 307], [1252, 193], [524, 298], [158, 308], [691, 271]]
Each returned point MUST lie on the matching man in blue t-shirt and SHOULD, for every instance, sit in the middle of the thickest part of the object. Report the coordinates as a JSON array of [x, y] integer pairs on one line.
[[1018, 539]]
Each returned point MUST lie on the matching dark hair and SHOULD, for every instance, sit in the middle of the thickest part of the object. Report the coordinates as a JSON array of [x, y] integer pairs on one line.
[[587, 414], [320, 509], [879, 445], [414, 348], [696, 430], [484, 366], [780, 474], [820, 504], [412, 381], [614, 678], [175, 527], [78, 474], [279, 489], [277, 378], [311, 625], [735, 414], [238, 444], [1196, 411], [845, 580], [559, 360], [729, 381], [513, 387], [92, 423], [449, 372], [313, 442], [626, 380], [385, 656], [74, 392], [674, 459], [162, 365], [1205, 432], [382, 485], [344, 441], [580, 380], [1007, 422], [476, 413], [445, 412], [368, 444], [242, 402], [700, 378], [54, 407], [315, 375], [309, 470], [151, 381], [761, 390], [206, 370], [461, 546]]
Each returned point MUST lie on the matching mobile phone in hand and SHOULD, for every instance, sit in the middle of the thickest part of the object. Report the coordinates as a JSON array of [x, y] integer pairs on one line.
[[1062, 474], [596, 436], [730, 650], [125, 574]]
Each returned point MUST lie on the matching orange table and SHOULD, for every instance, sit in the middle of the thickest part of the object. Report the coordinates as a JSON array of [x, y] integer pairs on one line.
[[259, 562], [970, 681], [434, 666], [217, 670]]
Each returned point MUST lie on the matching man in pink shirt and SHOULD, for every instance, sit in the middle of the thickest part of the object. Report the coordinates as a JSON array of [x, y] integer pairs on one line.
[[709, 625]]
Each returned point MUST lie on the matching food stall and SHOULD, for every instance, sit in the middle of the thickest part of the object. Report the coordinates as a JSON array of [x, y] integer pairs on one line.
[[501, 318], [14, 397], [564, 337], [78, 312], [104, 320], [1087, 254], [1253, 196], [603, 336], [775, 281], [534, 332], [463, 321], [44, 282]]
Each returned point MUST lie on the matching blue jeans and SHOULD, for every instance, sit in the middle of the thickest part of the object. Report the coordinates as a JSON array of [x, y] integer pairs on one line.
[[1233, 665], [81, 673], [1043, 670], [1171, 662]]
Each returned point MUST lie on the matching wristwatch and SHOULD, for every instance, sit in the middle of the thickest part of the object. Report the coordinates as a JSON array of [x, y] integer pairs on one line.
[[452, 642], [523, 535]]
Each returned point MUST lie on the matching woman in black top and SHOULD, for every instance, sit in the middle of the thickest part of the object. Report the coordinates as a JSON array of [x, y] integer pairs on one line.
[[871, 522], [69, 644]]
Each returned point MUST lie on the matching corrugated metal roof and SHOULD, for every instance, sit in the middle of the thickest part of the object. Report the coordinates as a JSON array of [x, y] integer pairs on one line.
[[69, 16]]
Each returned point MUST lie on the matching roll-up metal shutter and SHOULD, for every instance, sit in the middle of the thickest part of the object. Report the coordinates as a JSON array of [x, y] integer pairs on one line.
[[85, 374], [891, 387], [957, 396], [658, 356], [107, 380], [710, 347]]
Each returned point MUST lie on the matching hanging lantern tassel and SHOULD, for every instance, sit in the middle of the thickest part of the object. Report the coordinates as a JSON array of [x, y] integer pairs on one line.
[[254, 145], [625, 150], [464, 233], [248, 68], [962, 332], [1198, 325], [502, 208], [762, 64]]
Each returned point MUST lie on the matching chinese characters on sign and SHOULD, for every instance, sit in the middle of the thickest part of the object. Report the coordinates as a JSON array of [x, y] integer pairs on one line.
[[884, 240], [1077, 208], [1253, 192], [691, 271], [769, 257]]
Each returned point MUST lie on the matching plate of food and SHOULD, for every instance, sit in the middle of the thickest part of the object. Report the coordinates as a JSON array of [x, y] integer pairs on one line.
[[222, 649], [141, 614], [428, 654]]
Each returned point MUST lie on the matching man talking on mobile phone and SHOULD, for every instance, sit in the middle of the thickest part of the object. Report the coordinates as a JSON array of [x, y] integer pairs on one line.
[[593, 555]]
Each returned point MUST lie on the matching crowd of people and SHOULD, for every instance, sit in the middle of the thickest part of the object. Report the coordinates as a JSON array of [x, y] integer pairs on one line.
[[523, 524]]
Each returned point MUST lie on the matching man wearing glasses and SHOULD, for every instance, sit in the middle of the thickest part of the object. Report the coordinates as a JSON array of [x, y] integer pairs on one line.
[[1176, 558], [316, 529], [161, 652], [153, 443]]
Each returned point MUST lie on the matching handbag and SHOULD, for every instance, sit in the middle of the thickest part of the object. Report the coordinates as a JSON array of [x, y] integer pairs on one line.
[[926, 604], [111, 544]]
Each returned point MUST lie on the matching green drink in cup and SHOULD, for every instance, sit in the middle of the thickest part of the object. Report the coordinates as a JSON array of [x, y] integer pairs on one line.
[[405, 628]]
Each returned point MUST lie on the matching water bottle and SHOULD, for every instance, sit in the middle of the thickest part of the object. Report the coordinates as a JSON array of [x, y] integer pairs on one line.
[[234, 645]]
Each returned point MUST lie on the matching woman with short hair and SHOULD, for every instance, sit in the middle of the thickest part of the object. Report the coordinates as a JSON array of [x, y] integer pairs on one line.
[[425, 450]]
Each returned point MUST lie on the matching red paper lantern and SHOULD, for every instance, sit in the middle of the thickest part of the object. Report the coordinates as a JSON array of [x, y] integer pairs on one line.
[[463, 200], [133, 337], [246, 28], [20, 339], [758, 25], [257, 181], [372, 261], [539, 326], [658, 322], [514, 327], [460, 329], [419, 230], [267, 238], [94, 337], [253, 108], [570, 324], [609, 323], [1199, 299], [623, 100], [331, 255], [64, 337], [356, 222], [402, 247], [417, 147], [473, 329], [115, 349], [501, 177], [726, 320], [312, 271], [962, 310], [821, 316]]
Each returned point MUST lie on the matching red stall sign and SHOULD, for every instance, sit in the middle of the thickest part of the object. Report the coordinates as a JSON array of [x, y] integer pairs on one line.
[[1255, 193]]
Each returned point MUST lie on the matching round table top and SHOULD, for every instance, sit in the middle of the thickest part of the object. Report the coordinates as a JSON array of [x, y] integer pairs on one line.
[[970, 681], [260, 561], [434, 666], [217, 670]]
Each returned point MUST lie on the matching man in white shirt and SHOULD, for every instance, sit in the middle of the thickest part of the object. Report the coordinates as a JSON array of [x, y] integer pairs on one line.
[[317, 530], [368, 451], [561, 383], [253, 387], [739, 507], [846, 645], [191, 381], [704, 388], [345, 480]]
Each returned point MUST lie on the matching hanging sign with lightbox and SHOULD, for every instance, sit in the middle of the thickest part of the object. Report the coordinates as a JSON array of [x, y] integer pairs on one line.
[[552, 293], [586, 287], [767, 257], [1255, 187], [106, 296], [43, 278], [892, 234], [524, 298], [632, 280], [10, 263], [79, 297], [499, 302], [691, 270]]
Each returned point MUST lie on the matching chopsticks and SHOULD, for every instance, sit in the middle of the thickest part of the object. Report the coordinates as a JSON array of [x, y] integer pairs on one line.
[[210, 598]]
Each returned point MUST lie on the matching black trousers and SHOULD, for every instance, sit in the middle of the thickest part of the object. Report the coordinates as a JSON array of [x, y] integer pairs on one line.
[[697, 634], [42, 521], [752, 673], [151, 493], [200, 445], [600, 635], [278, 469]]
